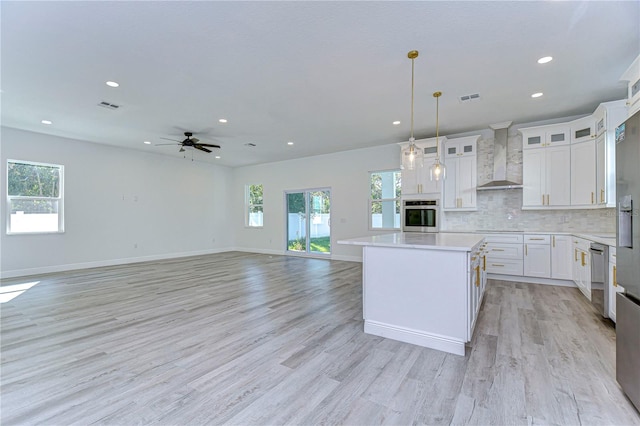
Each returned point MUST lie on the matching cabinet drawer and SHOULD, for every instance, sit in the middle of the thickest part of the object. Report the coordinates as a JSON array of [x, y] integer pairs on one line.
[[504, 267], [504, 251], [537, 239], [503, 238]]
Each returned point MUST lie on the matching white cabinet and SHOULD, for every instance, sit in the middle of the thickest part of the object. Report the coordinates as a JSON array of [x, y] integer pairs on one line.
[[537, 256], [546, 177], [583, 129], [504, 254], [561, 261], [582, 265], [601, 170], [542, 136], [613, 286], [460, 159], [632, 76], [418, 181], [583, 173]]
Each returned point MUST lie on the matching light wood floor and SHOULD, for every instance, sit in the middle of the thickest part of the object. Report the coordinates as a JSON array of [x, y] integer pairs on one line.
[[239, 338]]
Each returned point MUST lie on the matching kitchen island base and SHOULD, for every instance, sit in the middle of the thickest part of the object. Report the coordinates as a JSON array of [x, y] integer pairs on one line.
[[428, 296]]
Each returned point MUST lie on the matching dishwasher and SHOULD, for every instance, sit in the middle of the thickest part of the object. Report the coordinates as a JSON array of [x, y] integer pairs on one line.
[[599, 279]]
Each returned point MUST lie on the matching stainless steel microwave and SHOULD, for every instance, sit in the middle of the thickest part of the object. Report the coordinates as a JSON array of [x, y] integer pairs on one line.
[[420, 215]]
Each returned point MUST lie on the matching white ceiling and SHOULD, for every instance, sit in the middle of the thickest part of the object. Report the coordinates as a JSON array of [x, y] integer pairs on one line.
[[329, 76]]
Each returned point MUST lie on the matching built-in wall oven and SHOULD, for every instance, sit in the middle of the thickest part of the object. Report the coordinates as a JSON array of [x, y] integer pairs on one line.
[[421, 215]]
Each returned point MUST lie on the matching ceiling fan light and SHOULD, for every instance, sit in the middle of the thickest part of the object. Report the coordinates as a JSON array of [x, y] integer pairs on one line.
[[181, 149]]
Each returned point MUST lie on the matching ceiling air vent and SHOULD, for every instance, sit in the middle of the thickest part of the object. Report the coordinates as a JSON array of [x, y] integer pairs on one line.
[[468, 98], [108, 105]]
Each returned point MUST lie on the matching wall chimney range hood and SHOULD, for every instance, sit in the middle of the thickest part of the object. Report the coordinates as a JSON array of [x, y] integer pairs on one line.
[[499, 180]]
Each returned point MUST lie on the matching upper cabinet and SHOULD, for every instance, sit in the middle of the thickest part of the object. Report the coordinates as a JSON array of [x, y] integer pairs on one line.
[[583, 129], [632, 77], [580, 171], [543, 136], [418, 181], [546, 170], [460, 184]]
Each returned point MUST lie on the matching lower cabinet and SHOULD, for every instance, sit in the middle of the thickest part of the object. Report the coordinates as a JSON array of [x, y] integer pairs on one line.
[[613, 286], [537, 256], [561, 262], [504, 254], [582, 265]]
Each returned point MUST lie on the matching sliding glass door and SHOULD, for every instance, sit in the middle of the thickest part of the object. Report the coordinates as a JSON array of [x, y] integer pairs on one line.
[[309, 221]]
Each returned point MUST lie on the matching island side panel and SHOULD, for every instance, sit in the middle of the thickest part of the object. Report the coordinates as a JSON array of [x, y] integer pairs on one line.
[[417, 296]]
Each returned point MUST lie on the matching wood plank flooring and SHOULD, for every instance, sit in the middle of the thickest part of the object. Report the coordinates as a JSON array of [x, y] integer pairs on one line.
[[239, 338]]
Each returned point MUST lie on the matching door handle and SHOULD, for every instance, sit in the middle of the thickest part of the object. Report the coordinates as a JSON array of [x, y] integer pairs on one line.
[[615, 278], [582, 254]]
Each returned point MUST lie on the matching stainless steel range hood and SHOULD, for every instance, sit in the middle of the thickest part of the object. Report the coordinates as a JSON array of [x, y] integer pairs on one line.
[[499, 180]]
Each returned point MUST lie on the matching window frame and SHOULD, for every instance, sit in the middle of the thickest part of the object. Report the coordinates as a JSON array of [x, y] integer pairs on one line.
[[397, 200], [248, 205], [59, 199]]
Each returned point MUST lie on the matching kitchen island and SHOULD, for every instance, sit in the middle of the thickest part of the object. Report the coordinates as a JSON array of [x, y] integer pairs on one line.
[[424, 289]]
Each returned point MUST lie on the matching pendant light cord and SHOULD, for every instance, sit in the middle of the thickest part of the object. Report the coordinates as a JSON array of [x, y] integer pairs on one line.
[[412, 78]]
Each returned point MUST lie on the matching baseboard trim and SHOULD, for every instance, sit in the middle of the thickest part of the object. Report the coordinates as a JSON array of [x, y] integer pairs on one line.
[[100, 263], [532, 280], [415, 337]]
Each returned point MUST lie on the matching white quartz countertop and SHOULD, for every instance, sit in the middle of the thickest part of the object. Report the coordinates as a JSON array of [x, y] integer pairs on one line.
[[415, 240]]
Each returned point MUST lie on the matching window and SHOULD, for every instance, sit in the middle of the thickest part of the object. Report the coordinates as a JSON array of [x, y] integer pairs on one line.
[[253, 202], [384, 205], [34, 197]]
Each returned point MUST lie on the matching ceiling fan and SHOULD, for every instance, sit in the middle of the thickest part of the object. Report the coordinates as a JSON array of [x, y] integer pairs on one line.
[[190, 141]]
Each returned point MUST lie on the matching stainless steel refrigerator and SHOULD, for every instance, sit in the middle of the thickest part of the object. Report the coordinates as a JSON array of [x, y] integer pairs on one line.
[[628, 257]]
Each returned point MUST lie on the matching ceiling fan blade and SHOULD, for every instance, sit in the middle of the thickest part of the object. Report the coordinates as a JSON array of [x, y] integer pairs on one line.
[[167, 139], [201, 148], [210, 145], [194, 140], [164, 144]]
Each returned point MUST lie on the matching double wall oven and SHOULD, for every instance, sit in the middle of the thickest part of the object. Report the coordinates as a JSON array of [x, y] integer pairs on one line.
[[421, 215]]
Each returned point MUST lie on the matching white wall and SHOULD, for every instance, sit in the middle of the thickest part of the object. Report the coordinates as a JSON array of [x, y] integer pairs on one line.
[[346, 173], [181, 207]]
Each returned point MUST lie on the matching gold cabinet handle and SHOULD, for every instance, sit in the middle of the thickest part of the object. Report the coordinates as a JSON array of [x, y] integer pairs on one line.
[[548, 199], [543, 199], [473, 258], [478, 276], [497, 250], [582, 255], [553, 240], [484, 263], [591, 197], [575, 255], [536, 239], [496, 264], [526, 252], [602, 195], [615, 277]]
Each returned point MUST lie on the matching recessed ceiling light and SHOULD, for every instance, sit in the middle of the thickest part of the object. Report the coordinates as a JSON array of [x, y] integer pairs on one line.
[[289, 143], [536, 95], [545, 59], [395, 123], [217, 157], [47, 122], [112, 84], [147, 143], [223, 120]]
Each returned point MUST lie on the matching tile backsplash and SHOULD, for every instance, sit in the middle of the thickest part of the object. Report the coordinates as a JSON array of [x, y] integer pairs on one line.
[[501, 209]]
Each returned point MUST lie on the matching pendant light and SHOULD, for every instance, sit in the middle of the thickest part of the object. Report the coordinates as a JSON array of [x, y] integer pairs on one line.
[[437, 171], [412, 155]]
